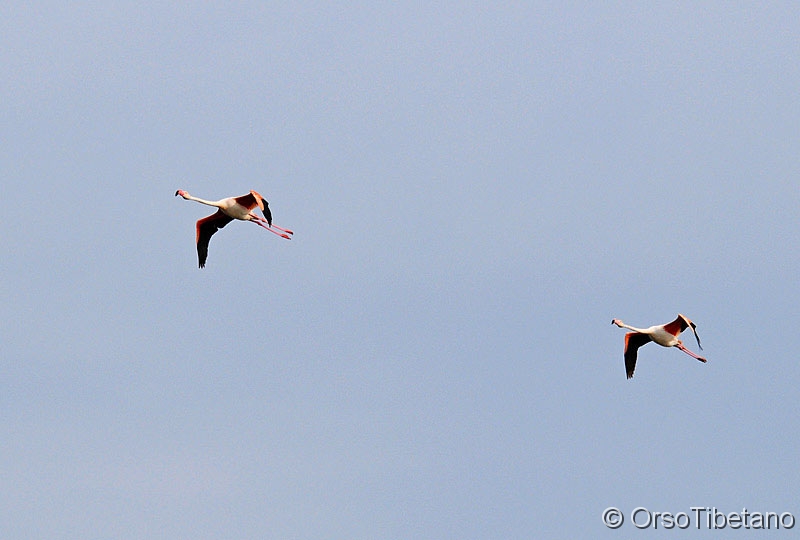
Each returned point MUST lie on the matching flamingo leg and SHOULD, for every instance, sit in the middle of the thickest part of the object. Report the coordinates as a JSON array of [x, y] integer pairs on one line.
[[282, 235], [264, 223], [690, 353], [287, 231]]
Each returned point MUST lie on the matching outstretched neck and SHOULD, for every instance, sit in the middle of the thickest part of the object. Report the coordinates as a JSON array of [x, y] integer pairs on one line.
[[202, 201], [623, 325]]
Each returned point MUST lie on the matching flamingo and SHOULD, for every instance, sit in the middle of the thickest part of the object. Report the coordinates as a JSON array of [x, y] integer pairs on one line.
[[229, 209], [665, 335]]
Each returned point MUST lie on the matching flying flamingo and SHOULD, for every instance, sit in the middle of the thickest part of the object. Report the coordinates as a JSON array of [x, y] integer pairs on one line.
[[665, 335], [229, 209]]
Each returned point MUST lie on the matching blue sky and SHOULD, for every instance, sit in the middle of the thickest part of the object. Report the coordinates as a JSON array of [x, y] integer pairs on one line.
[[476, 191]]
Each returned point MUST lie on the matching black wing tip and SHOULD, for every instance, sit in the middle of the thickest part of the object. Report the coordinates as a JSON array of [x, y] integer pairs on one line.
[[202, 255], [629, 370], [630, 367], [696, 336]]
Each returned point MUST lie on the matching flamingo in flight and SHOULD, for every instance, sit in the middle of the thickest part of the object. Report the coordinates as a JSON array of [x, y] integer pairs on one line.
[[229, 209], [665, 335]]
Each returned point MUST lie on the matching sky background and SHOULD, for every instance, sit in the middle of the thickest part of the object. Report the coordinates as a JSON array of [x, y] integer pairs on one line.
[[476, 190]]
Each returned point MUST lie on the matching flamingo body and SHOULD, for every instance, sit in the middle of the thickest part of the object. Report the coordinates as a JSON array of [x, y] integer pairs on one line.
[[665, 335], [228, 209]]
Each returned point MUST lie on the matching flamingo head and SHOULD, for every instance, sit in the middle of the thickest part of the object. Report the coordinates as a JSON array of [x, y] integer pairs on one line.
[[182, 193], [617, 322]]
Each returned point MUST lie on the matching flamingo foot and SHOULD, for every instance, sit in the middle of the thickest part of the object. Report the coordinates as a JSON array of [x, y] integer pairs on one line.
[[287, 231], [274, 229]]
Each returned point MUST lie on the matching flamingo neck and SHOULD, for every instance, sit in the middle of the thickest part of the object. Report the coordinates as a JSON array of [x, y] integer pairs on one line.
[[203, 201], [640, 330]]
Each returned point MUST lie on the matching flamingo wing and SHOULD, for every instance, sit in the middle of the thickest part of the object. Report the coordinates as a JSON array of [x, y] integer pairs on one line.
[[253, 199], [680, 324], [633, 340], [249, 201], [694, 330], [267, 213], [677, 326], [206, 228]]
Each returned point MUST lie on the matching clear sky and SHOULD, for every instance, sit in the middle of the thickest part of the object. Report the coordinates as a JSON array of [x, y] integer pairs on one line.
[[476, 190]]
